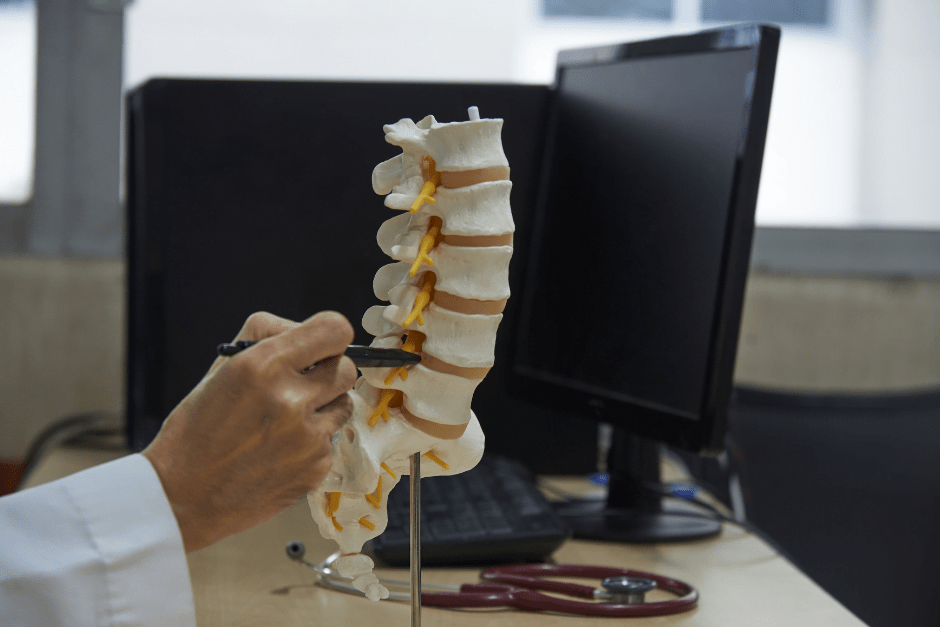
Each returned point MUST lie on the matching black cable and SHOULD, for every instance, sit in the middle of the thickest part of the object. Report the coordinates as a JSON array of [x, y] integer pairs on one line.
[[61, 432], [663, 490], [715, 514]]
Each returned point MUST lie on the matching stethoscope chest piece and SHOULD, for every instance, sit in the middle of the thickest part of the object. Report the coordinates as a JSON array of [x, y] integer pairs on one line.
[[624, 589]]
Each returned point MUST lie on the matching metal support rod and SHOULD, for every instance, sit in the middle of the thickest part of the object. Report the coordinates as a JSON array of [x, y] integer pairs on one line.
[[415, 508]]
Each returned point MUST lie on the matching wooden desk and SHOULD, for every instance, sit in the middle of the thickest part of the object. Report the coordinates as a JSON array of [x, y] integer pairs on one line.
[[248, 580]]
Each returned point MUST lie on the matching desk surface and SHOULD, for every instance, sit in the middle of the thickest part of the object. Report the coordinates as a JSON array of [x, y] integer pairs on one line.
[[247, 579]]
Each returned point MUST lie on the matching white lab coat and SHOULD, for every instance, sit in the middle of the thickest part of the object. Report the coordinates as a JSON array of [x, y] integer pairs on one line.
[[100, 547]]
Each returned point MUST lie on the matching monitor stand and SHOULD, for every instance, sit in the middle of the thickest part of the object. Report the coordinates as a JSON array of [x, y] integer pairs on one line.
[[633, 513]]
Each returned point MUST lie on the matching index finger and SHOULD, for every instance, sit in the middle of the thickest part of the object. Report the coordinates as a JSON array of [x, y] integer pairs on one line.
[[326, 334]]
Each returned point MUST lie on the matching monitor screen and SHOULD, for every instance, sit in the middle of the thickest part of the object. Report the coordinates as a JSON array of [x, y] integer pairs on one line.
[[633, 231], [249, 196], [634, 284]]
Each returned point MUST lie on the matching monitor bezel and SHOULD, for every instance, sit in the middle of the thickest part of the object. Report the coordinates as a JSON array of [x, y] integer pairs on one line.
[[703, 433]]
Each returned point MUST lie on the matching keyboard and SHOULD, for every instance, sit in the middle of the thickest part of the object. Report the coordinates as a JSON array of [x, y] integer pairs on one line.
[[492, 514]]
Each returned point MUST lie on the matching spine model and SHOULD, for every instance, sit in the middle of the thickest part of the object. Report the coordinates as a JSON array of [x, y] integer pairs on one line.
[[446, 291]]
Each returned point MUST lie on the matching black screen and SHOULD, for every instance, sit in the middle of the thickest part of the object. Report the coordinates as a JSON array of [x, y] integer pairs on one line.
[[634, 226], [642, 232], [251, 196]]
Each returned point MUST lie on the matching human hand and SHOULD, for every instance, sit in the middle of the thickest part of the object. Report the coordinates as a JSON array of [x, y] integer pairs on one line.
[[254, 435]]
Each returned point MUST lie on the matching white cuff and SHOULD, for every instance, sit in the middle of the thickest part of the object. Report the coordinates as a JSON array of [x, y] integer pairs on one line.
[[139, 541], [100, 547]]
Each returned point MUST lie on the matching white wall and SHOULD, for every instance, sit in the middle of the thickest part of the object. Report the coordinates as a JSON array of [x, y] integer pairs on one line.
[[811, 160], [17, 101], [853, 136], [354, 39], [901, 173]]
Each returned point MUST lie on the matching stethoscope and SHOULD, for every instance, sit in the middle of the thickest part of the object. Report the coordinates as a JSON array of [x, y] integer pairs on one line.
[[517, 586]]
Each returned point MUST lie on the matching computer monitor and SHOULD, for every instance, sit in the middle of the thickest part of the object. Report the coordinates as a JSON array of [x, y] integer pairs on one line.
[[632, 297], [250, 195]]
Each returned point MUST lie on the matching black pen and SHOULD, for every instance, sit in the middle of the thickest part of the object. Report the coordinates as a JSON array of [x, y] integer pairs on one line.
[[362, 356]]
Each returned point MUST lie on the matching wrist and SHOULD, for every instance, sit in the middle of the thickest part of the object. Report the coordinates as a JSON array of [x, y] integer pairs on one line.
[[195, 526]]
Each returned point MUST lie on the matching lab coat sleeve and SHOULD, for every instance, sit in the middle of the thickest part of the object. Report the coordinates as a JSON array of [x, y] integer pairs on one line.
[[100, 547]]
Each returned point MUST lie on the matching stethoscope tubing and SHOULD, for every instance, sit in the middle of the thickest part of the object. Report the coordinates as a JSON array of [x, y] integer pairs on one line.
[[517, 586], [529, 576]]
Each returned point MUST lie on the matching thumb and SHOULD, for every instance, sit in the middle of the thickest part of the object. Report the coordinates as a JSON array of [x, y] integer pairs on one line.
[[259, 326]]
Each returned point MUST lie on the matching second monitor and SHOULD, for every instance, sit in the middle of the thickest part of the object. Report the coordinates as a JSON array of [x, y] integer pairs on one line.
[[634, 284]]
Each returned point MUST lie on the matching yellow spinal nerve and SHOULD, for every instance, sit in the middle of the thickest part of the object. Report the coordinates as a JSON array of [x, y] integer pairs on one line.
[[428, 242], [412, 344], [431, 183], [422, 299]]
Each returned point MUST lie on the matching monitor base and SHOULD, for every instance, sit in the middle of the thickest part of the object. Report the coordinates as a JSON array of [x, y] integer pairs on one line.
[[593, 520]]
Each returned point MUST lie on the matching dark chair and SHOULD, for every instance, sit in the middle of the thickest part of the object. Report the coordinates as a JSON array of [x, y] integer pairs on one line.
[[849, 486]]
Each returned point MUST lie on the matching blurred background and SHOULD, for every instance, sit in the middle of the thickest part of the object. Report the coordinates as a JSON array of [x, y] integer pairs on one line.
[[843, 294], [852, 139], [844, 291]]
